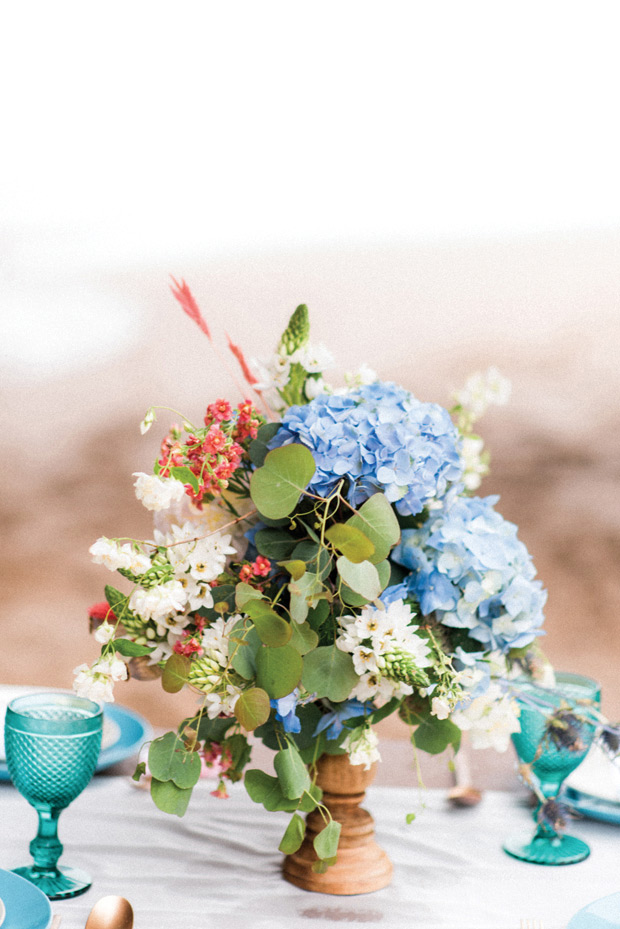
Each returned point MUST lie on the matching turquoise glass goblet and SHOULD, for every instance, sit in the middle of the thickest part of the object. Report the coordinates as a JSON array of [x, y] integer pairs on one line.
[[52, 743], [558, 726]]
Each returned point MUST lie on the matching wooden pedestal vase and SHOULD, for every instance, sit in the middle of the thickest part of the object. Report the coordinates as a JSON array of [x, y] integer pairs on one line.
[[362, 866]]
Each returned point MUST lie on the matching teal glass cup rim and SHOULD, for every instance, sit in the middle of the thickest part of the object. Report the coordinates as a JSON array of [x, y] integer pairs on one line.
[[19, 719], [591, 688]]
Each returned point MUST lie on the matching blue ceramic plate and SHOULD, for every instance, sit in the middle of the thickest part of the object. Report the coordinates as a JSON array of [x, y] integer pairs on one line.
[[602, 914], [606, 811], [26, 906], [124, 733]]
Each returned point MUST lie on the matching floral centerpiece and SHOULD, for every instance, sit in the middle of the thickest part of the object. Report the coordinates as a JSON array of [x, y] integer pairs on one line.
[[318, 562]]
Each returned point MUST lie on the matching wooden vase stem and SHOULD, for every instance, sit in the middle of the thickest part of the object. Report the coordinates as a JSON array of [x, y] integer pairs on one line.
[[362, 866]]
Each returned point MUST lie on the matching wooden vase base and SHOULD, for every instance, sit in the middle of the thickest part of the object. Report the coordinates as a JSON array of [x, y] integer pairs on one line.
[[361, 866]]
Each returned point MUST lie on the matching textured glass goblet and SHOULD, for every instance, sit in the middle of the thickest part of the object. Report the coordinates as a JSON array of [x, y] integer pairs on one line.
[[557, 730], [52, 743]]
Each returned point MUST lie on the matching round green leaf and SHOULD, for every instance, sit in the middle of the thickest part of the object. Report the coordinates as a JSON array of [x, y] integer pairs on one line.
[[277, 486], [252, 708], [362, 578], [278, 670], [377, 520], [326, 841], [304, 638], [170, 798], [329, 672], [292, 772], [294, 835], [176, 671], [351, 541], [272, 628]]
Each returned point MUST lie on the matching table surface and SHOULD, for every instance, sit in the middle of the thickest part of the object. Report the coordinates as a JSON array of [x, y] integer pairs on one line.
[[219, 865]]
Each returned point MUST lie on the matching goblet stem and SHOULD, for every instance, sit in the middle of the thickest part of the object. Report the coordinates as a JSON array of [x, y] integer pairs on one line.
[[46, 847]]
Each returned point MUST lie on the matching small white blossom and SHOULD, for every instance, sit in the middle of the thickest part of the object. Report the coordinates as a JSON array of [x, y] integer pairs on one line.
[[157, 493], [110, 554], [148, 421], [313, 387], [490, 719], [314, 358], [104, 632], [215, 638], [218, 704], [158, 602], [362, 377], [97, 682], [440, 707], [483, 390], [474, 467], [361, 746]]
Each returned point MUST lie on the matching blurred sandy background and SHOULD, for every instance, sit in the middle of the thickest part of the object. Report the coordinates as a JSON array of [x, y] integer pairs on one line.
[[438, 210]]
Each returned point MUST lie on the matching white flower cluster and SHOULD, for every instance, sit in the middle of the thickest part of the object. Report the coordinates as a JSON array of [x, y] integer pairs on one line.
[[373, 634], [490, 719], [195, 563], [474, 465], [215, 642], [115, 556], [157, 493], [482, 390], [275, 375], [97, 682], [361, 746]]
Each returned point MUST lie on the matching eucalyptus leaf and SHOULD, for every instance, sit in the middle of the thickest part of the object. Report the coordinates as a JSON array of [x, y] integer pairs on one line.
[[351, 542], [278, 670], [329, 672], [303, 637], [377, 520], [363, 578], [131, 649], [293, 836], [292, 772], [296, 568], [303, 595], [277, 486], [264, 788], [242, 647], [258, 448], [169, 760], [170, 798], [276, 544], [272, 628], [244, 593], [252, 708], [326, 841], [175, 674]]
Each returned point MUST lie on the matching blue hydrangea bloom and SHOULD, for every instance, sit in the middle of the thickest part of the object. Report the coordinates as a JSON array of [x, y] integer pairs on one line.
[[380, 438], [469, 568]]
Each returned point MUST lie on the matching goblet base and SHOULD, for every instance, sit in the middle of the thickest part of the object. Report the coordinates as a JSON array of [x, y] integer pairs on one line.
[[563, 849], [57, 885]]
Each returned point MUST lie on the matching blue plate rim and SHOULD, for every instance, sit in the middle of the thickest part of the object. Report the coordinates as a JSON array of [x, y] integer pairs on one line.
[[28, 888], [134, 731], [591, 806]]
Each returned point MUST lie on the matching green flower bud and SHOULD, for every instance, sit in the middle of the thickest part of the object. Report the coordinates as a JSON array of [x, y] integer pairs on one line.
[[297, 332]]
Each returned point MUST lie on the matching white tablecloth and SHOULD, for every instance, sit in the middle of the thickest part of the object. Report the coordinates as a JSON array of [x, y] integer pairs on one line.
[[219, 865]]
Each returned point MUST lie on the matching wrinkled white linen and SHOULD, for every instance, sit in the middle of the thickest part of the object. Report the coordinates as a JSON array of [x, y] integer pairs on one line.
[[219, 866]]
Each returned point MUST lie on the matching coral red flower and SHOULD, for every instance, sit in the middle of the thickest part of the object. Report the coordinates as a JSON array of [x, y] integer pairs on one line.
[[219, 411], [261, 567], [101, 611]]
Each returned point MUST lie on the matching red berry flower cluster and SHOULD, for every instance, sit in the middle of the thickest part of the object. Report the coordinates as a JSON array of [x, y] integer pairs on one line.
[[259, 568], [214, 453]]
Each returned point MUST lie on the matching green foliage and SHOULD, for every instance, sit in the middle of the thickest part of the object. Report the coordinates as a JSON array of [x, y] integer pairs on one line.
[[169, 760], [272, 629], [292, 772], [296, 568], [276, 544], [243, 645], [186, 476], [362, 578], [303, 637], [258, 448], [278, 670], [244, 593], [170, 798], [326, 841], [303, 595], [376, 519], [329, 672], [431, 734], [117, 602], [351, 542], [130, 649], [252, 709], [176, 672], [293, 836], [277, 486]]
